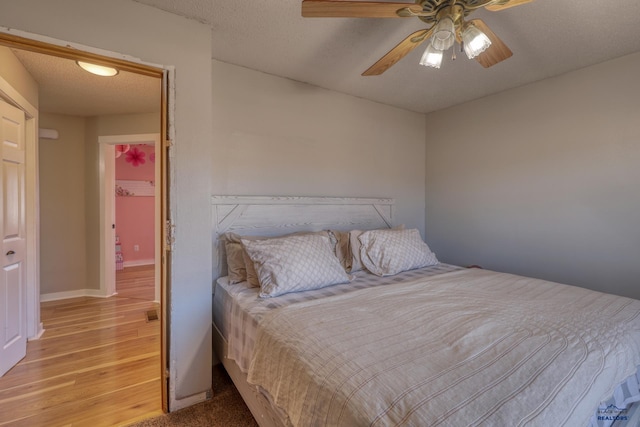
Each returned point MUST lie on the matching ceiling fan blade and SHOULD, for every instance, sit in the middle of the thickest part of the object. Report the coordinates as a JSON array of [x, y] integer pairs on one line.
[[507, 5], [354, 9], [397, 53], [497, 52]]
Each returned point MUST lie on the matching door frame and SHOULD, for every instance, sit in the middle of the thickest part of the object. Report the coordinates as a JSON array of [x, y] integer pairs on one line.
[[75, 51], [107, 208]]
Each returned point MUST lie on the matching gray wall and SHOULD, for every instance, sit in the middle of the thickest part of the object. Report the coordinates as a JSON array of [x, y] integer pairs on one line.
[[14, 73], [543, 180], [63, 254], [132, 30], [274, 136]]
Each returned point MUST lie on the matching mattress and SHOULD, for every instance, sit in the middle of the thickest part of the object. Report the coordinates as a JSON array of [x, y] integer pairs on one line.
[[237, 308], [571, 362]]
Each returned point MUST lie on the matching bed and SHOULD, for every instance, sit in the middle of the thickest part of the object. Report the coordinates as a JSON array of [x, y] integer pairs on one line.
[[434, 345]]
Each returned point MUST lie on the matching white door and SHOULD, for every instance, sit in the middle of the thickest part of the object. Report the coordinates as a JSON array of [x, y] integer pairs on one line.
[[13, 313]]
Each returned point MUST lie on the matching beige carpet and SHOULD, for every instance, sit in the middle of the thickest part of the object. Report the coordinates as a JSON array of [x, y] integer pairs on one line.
[[225, 409]]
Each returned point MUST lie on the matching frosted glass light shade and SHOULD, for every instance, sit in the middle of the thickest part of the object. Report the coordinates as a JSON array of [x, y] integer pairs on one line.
[[475, 41], [98, 70], [431, 57], [444, 35]]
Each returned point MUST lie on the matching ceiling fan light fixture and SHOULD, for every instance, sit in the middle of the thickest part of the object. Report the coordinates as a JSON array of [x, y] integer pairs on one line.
[[444, 34], [431, 57], [474, 41], [98, 70]]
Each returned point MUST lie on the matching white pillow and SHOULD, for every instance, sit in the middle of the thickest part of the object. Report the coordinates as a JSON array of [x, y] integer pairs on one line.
[[389, 252], [237, 271], [354, 244], [239, 265], [294, 263]]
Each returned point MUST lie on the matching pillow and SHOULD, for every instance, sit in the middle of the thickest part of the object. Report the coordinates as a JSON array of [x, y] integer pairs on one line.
[[237, 270], [342, 248], [239, 265], [354, 243], [294, 263], [388, 252]]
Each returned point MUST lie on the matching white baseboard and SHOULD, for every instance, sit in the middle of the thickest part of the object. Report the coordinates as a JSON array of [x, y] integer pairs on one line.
[[54, 296], [138, 262]]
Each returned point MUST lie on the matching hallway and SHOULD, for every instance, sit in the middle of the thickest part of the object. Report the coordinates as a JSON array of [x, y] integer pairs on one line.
[[97, 363]]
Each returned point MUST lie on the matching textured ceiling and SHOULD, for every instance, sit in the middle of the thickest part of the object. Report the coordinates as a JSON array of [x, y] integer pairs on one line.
[[548, 38], [64, 88]]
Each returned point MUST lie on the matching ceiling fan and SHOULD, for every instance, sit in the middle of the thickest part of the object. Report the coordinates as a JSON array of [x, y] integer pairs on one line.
[[447, 25]]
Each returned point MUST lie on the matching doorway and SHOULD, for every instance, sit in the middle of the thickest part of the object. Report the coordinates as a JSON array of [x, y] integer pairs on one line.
[[33, 262], [130, 216]]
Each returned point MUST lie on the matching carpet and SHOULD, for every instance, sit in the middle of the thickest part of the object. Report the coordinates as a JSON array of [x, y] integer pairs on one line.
[[225, 409]]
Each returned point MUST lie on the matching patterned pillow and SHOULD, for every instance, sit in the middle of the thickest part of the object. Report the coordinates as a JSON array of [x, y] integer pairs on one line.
[[354, 246], [294, 263], [239, 270], [389, 252], [239, 265]]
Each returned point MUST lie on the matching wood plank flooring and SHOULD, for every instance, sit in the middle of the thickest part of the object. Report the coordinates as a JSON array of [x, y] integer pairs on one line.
[[97, 363], [136, 282]]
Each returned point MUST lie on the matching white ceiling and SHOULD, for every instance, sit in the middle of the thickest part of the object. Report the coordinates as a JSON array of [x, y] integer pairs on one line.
[[548, 38], [64, 88]]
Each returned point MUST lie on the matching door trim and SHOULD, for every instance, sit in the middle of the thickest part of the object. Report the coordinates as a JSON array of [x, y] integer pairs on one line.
[[75, 51]]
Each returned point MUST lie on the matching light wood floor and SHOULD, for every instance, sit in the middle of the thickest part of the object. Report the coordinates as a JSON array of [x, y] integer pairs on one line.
[[97, 363]]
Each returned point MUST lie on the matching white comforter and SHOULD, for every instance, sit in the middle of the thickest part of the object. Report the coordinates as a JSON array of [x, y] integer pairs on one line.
[[471, 347]]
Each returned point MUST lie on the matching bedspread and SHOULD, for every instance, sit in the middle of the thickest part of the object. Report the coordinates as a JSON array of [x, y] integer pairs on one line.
[[471, 347], [239, 321]]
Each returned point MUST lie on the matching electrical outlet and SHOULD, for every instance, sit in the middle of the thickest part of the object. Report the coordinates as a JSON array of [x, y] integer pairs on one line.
[[136, 248]]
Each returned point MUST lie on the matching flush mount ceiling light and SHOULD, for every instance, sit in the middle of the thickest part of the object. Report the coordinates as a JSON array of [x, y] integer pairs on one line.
[[98, 70], [446, 20]]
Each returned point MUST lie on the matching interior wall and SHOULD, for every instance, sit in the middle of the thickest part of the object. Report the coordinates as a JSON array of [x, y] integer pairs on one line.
[[274, 136], [132, 30], [14, 73], [542, 180], [63, 258]]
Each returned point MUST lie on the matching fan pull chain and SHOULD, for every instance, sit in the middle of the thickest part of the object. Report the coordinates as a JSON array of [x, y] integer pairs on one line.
[[453, 54]]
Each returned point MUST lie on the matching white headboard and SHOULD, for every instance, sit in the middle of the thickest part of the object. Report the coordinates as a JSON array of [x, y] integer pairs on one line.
[[274, 216]]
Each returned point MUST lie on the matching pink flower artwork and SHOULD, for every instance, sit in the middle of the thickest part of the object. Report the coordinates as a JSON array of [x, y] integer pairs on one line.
[[135, 157], [121, 149], [152, 157]]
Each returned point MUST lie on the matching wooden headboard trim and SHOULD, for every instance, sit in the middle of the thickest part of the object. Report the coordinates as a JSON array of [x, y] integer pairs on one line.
[[278, 215]]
